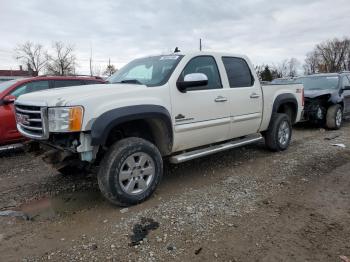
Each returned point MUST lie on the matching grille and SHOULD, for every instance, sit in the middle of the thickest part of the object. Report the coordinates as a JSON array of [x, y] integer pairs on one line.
[[31, 121]]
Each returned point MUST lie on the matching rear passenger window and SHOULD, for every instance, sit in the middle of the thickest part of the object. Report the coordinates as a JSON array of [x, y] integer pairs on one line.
[[64, 83], [238, 72], [205, 65]]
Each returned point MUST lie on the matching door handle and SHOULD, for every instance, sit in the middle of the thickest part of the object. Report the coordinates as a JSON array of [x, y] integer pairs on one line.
[[254, 95], [220, 99]]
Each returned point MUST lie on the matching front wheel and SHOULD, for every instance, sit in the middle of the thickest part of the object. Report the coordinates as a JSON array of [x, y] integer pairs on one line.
[[279, 134], [130, 171], [334, 117]]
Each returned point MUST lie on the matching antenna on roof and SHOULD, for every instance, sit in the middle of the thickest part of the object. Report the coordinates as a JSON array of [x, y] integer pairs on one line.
[[200, 44], [177, 50]]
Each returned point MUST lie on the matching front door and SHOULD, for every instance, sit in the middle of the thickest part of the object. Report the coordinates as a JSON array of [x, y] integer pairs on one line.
[[10, 131], [200, 114], [245, 97]]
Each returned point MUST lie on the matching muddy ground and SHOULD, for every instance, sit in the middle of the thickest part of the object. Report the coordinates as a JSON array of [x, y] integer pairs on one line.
[[246, 204]]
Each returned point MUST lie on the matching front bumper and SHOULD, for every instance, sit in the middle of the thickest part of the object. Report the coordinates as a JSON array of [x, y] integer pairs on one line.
[[313, 112]]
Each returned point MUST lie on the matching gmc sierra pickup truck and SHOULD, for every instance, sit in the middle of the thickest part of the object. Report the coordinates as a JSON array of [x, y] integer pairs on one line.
[[176, 107]]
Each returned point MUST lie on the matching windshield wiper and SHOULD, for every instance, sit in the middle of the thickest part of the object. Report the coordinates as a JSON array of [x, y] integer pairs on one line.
[[130, 81]]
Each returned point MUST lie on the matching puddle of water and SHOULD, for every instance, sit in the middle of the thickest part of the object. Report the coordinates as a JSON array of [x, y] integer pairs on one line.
[[64, 204]]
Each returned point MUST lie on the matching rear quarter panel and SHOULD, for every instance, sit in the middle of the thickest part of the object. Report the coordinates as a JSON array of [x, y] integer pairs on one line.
[[270, 94]]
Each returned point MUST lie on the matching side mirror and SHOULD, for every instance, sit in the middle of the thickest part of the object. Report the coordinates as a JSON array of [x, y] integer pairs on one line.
[[346, 88], [192, 80], [9, 99]]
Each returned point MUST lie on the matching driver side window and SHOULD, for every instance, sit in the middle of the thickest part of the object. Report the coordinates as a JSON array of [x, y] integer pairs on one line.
[[205, 65], [346, 81]]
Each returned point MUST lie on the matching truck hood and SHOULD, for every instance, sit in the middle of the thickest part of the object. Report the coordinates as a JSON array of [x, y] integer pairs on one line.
[[72, 95], [316, 93]]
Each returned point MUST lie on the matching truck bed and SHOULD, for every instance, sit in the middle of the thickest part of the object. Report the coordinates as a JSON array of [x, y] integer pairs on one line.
[[271, 92]]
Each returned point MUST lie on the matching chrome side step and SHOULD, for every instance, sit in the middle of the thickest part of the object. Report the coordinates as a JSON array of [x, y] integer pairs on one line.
[[214, 149]]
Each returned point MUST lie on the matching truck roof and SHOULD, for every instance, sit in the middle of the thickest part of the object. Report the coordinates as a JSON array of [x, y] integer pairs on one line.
[[197, 53]]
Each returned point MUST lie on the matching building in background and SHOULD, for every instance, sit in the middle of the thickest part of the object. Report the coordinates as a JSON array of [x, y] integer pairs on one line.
[[6, 75]]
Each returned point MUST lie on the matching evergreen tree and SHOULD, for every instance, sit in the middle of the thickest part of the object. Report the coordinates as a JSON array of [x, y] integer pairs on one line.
[[266, 74]]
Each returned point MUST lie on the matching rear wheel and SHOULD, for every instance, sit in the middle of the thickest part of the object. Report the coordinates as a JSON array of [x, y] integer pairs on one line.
[[334, 117], [130, 171], [278, 136]]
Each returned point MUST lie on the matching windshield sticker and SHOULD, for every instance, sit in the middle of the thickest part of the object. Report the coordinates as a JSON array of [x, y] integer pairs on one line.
[[169, 57]]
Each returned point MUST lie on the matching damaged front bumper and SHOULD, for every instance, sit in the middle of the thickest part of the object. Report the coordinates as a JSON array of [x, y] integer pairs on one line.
[[59, 150], [314, 112]]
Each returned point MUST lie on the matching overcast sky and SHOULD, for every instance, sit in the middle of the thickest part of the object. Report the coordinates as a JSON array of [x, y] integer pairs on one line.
[[266, 31]]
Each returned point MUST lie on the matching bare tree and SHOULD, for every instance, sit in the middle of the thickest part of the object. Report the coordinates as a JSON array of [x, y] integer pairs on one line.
[[96, 70], [259, 69], [281, 69], [292, 67], [329, 56], [63, 61], [334, 55], [286, 68], [347, 62], [110, 70], [312, 63], [32, 55]]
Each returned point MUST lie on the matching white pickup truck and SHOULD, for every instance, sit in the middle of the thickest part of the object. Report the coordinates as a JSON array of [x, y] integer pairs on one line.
[[176, 107]]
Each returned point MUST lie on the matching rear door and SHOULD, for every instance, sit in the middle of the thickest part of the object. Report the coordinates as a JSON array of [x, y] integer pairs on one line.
[[245, 96], [67, 82]]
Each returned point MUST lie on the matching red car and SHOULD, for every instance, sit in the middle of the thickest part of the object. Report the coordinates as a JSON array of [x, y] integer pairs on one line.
[[12, 89]]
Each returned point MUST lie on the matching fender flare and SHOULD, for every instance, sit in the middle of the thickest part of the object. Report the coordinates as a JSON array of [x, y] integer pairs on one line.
[[103, 125], [282, 99]]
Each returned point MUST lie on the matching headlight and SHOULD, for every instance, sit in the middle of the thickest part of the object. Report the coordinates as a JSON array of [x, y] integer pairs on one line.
[[65, 119]]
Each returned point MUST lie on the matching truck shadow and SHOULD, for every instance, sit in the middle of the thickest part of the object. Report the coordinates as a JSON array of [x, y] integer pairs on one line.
[[66, 195]]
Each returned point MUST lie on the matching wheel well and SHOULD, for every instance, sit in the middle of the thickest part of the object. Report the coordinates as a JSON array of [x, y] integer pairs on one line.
[[290, 109], [154, 130]]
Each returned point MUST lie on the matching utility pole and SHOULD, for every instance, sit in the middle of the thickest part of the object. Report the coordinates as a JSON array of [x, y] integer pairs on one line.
[[90, 61], [200, 44]]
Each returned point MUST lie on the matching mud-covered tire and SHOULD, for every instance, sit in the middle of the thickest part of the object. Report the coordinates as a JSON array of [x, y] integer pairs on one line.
[[334, 117], [280, 125], [115, 167]]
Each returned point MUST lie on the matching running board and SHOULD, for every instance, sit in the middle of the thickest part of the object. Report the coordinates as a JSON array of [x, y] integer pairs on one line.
[[10, 147], [215, 149]]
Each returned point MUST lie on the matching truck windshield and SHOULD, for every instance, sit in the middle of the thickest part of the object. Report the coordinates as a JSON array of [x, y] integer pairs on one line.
[[149, 71], [319, 82]]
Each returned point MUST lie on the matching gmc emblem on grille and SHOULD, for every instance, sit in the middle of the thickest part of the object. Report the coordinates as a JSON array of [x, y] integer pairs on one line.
[[22, 119]]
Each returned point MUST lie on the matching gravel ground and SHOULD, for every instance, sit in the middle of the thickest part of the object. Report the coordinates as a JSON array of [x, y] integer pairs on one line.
[[246, 204]]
